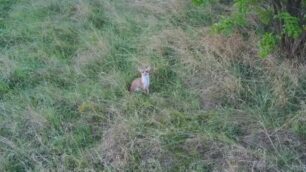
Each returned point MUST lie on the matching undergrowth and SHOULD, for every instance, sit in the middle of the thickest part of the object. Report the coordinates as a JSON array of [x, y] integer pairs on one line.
[[213, 105]]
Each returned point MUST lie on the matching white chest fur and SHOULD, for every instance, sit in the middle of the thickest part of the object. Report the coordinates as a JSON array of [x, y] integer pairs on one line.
[[145, 81]]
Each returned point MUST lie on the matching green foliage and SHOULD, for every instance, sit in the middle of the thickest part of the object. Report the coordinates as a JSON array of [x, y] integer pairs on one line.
[[265, 16], [267, 44], [282, 18], [4, 88], [198, 2], [227, 24], [242, 6], [291, 25], [202, 2]]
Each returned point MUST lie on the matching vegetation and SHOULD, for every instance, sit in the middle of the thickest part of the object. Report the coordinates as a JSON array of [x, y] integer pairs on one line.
[[213, 105], [283, 22]]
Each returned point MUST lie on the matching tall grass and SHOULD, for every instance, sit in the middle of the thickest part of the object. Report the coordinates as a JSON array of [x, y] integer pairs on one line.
[[213, 105]]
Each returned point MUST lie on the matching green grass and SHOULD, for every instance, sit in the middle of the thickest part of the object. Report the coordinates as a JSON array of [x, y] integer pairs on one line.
[[64, 105]]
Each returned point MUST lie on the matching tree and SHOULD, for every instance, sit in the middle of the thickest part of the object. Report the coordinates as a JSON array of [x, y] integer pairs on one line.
[[281, 23]]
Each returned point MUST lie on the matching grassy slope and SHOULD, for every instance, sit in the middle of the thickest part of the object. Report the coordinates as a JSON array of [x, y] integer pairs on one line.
[[65, 67]]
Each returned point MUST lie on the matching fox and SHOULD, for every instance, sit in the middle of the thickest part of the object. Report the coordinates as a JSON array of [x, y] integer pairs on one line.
[[142, 83]]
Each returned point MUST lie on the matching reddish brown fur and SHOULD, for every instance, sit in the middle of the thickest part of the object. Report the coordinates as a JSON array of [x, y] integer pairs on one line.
[[136, 84], [142, 83]]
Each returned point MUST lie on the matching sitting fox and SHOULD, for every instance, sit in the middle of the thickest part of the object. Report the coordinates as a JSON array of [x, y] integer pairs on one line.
[[142, 83]]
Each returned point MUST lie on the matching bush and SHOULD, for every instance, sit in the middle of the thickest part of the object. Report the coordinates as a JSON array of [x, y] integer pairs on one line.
[[281, 24]]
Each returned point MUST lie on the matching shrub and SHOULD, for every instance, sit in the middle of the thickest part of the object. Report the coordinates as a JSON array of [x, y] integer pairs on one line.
[[280, 22]]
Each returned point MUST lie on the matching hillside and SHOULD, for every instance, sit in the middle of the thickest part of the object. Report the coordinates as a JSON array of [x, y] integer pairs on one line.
[[214, 105]]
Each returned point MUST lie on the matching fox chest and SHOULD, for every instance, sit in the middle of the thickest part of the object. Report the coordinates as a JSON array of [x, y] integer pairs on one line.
[[145, 82]]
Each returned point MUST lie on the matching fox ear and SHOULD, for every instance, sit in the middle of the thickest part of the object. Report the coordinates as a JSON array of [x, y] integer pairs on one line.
[[148, 68]]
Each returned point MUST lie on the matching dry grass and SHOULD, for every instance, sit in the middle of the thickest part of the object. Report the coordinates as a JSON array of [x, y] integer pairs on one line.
[[159, 7], [231, 47], [115, 148], [94, 54], [7, 66], [81, 11], [209, 63], [213, 104], [240, 158]]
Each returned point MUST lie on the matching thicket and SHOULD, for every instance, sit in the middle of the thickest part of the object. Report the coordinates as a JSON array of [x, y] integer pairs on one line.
[[281, 24]]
